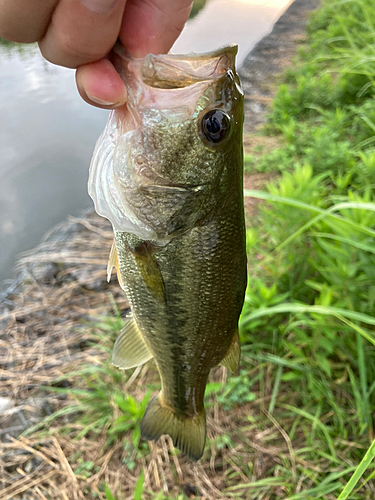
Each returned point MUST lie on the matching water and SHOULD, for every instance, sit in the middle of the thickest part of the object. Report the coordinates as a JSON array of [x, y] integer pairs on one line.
[[47, 133]]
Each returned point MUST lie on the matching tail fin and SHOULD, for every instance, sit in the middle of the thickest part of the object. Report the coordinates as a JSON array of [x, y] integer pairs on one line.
[[188, 434]]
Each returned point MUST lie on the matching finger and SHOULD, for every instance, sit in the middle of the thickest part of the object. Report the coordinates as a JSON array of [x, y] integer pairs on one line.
[[153, 25], [82, 31], [99, 84], [25, 22]]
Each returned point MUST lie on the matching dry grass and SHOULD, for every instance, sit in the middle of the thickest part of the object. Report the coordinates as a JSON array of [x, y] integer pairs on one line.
[[46, 336], [62, 284]]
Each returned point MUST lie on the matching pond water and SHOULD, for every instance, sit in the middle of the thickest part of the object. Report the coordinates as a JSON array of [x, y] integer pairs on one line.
[[47, 133]]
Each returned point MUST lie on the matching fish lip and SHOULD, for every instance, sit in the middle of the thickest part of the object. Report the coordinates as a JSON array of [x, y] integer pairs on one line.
[[175, 71], [227, 49]]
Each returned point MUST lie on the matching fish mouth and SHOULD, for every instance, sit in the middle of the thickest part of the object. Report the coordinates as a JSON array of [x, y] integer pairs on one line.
[[170, 71], [161, 89], [175, 72], [170, 82]]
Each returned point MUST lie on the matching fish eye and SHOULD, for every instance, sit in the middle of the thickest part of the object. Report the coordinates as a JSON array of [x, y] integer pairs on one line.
[[215, 126]]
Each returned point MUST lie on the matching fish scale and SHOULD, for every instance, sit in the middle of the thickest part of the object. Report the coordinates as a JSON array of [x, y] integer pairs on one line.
[[183, 263]]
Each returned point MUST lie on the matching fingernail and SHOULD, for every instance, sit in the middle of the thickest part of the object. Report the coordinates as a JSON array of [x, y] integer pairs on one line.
[[99, 6], [102, 102]]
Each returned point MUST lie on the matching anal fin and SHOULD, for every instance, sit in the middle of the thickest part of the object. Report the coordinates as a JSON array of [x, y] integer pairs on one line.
[[232, 357], [130, 349]]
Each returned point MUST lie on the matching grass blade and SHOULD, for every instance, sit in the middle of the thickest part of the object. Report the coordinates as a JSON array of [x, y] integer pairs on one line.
[[311, 208], [356, 244], [292, 307], [138, 490], [358, 473]]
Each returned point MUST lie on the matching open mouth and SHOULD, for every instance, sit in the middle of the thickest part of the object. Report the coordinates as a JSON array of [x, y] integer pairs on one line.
[[173, 83], [169, 71], [161, 88]]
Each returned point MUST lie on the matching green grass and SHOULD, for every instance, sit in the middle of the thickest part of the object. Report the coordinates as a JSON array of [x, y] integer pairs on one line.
[[325, 107], [311, 298], [310, 303]]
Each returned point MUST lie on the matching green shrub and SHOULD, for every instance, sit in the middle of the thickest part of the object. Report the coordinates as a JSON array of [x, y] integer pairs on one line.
[[310, 304]]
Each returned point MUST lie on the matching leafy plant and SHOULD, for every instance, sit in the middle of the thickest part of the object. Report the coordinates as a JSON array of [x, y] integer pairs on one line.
[[311, 294]]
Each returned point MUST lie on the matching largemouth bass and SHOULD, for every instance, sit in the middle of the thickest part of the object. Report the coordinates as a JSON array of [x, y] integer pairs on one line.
[[167, 172]]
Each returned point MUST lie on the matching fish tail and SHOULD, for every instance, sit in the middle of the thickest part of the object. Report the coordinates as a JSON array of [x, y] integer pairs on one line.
[[188, 433]]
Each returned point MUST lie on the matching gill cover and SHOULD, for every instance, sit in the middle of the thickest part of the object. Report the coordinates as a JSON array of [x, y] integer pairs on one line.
[[141, 188]]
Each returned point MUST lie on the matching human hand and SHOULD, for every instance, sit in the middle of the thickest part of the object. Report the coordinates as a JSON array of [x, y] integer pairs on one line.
[[80, 33]]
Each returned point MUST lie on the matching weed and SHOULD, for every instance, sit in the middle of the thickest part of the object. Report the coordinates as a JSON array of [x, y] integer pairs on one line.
[[314, 247], [311, 296], [85, 469], [236, 391]]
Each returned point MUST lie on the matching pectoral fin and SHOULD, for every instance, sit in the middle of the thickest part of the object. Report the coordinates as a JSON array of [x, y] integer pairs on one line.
[[130, 349], [113, 262], [149, 270], [232, 357]]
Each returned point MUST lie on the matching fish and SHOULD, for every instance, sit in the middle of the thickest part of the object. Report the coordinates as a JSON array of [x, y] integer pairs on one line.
[[168, 174]]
